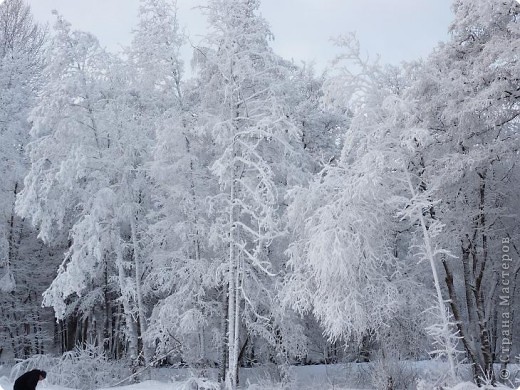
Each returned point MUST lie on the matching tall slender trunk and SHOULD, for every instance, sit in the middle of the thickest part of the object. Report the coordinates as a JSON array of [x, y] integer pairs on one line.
[[232, 307], [131, 331], [440, 300], [11, 239], [116, 330], [194, 229], [107, 339], [225, 329], [473, 344], [138, 287], [483, 320], [232, 292], [236, 341], [478, 301], [459, 320], [233, 286]]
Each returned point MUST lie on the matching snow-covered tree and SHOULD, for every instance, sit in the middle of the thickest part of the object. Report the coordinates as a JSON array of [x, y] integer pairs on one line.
[[253, 140], [321, 125], [468, 98], [178, 275], [352, 255], [67, 171], [21, 42], [86, 182], [341, 252], [21, 61]]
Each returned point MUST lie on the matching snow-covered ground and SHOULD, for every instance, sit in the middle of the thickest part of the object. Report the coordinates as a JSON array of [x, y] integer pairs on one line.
[[424, 375]]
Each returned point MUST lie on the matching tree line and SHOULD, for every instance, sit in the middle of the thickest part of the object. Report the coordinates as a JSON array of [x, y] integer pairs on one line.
[[259, 212]]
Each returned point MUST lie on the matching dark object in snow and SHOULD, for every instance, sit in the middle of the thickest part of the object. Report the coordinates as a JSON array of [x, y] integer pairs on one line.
[[29, 380]]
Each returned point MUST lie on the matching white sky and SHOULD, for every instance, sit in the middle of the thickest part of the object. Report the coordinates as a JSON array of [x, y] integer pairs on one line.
[[398, 30]]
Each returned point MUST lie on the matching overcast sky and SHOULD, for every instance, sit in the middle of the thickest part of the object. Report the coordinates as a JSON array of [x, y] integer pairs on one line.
[[396, 29]]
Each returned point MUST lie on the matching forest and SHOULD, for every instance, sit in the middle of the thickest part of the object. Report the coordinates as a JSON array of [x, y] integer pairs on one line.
[[240, 210]]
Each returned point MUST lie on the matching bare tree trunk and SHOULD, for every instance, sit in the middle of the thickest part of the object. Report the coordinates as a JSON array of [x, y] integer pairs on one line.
[[483, 321], [475, 332], [107, 339], [440, 301], [233, 291], [233, 316], [11, 239], [455, 308], [131, 331], [473, 341], [225, 329], [138, 281]]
